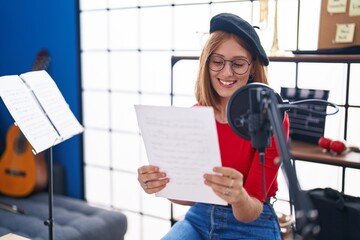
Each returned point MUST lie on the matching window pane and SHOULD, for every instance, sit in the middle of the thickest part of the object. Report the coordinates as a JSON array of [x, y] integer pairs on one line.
[[354, 87], [281, 74], [97, 185], [309, 24], [186, 26], [326, 175], [93, 30], [154, 2], [184, 101], [242, 8], [124, 71], [353, 128], [134, 228], [221, 1], [92, 4], [94, 67], [125, 151], [155, 99], [96, 109], [156, 206], [352, 179], [184, 76], [123, 25], [156, 28], [283, 192], [287, 24], [282, 204], [97, 148], [123, 112], [154, 228], [122, 4], [334, 124], [195, 53], [326, 76], [190, 1], [287, 19], [126, 191], [155, 72], [179, 211], [143, 156]]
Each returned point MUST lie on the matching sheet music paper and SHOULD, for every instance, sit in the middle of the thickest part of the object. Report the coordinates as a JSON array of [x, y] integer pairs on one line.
[[183, 143], [27, 113], [53, 102], [37, 111]]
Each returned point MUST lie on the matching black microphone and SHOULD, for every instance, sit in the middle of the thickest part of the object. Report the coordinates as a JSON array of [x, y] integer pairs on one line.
[[247, 114]]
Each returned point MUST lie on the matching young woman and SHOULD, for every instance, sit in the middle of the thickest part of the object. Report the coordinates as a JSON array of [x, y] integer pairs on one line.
[[231, 58]]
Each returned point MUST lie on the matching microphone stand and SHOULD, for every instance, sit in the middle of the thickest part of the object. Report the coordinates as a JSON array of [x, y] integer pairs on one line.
[[268, 110]]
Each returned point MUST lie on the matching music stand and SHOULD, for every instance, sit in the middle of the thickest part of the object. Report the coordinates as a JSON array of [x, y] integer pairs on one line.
[[43, 116]]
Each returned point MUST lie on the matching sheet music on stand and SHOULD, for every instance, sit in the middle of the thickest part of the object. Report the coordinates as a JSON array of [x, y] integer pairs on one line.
[[39, 109]]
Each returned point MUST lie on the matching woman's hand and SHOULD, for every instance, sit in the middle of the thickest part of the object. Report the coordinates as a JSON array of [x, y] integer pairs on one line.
[[227, 183], [151, 179]]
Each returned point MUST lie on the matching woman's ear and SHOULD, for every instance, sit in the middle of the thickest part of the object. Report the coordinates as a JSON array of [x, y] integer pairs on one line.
[[251, 78]]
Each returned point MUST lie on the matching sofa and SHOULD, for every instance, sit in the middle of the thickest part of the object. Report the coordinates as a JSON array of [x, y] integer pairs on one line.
[[73, 219]]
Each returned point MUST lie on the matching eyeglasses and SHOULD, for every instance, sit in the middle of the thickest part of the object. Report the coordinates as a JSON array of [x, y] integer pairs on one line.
[[239, 66]]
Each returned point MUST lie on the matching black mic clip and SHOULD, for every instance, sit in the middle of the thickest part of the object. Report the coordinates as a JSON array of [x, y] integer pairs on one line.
[[259, 124]]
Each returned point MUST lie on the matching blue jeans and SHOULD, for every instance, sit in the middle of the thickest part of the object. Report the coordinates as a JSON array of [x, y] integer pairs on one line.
[[213, 222]]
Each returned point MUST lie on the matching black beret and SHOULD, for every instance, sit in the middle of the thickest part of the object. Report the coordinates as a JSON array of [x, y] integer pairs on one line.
[[231, 23]]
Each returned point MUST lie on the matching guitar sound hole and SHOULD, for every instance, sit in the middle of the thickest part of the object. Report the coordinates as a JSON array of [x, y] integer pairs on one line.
[[20, 145], [15, 172]]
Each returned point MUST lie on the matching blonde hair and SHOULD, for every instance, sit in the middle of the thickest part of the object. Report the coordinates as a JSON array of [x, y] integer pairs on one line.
[[204, 92]]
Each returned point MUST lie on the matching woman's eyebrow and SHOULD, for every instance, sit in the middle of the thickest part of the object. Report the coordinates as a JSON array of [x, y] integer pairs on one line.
[[235, 57]]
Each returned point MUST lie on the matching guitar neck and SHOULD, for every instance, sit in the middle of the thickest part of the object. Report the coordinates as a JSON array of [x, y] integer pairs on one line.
[[11, 208]]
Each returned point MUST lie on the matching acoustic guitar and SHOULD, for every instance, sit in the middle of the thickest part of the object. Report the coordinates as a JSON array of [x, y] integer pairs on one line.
[[22, 172]]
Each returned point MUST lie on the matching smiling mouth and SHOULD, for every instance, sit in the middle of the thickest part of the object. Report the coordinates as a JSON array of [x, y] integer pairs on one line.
[[227, 83]]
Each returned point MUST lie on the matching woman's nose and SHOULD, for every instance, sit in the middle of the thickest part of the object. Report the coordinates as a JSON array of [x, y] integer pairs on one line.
[[228, 69]]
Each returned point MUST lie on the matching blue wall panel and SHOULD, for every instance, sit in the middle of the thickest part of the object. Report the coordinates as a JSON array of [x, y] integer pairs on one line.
[[26, 27]]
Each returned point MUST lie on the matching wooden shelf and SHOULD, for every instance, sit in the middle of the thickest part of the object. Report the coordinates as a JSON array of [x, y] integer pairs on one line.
[[335, 58], [351, 58], [313, 153]]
